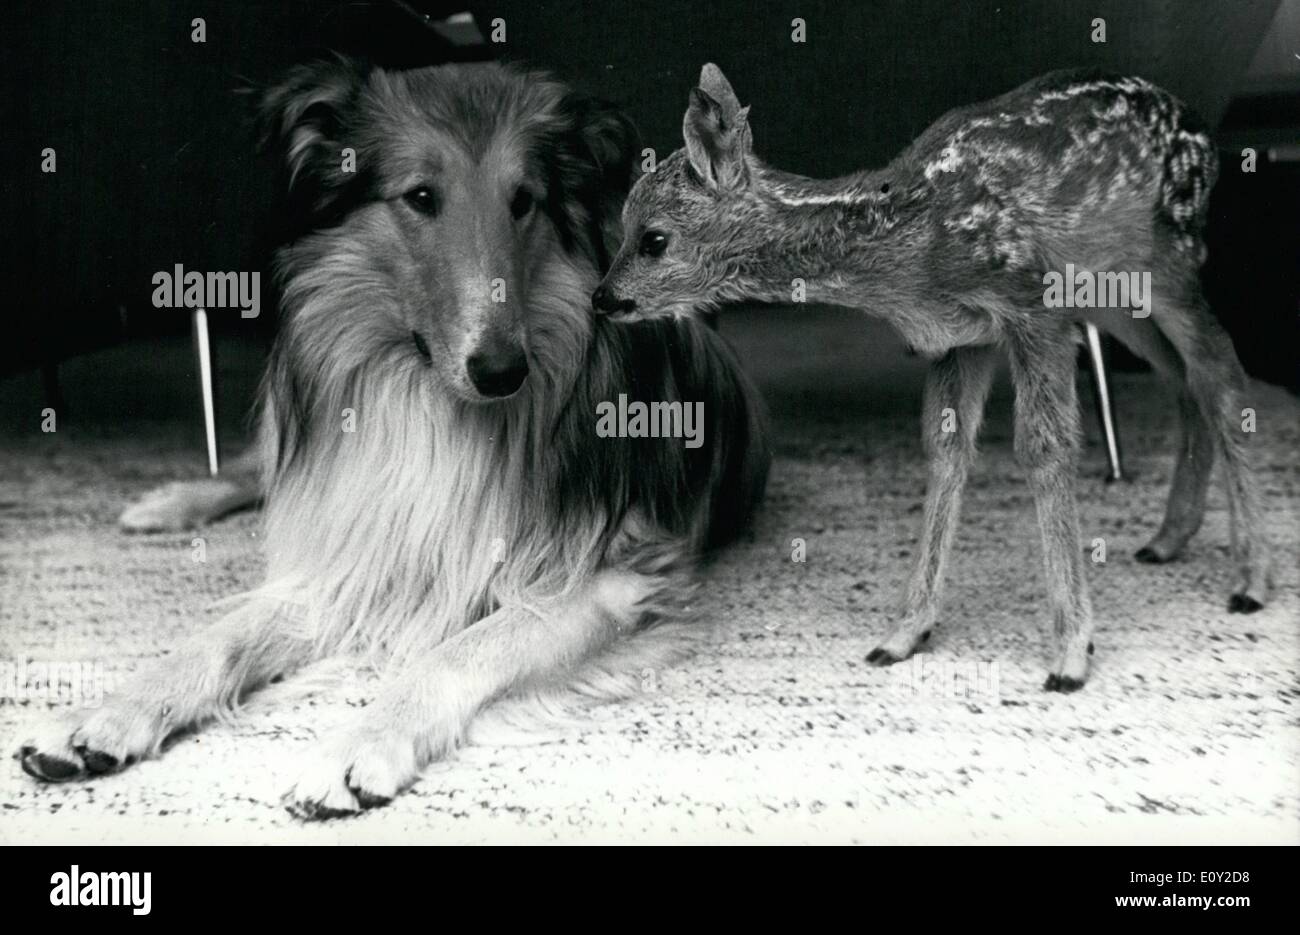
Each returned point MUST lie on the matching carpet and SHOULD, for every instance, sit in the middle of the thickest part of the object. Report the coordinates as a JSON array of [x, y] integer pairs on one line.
[[777, 730]]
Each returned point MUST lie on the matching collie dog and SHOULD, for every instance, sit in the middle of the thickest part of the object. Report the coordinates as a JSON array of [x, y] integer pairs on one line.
[[437, 495]]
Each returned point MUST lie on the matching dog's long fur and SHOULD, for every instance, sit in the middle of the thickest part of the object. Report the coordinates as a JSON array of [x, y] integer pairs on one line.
[[479, 546]]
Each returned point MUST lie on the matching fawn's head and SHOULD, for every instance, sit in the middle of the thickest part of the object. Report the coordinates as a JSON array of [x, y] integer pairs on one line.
[[685, 227]]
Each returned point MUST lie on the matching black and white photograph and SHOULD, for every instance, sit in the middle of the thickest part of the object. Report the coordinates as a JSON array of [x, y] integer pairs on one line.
[[694, 422]]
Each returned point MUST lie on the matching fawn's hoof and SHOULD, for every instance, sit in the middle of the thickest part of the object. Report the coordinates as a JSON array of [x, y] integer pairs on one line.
[[1062, 683], [1149, 556], [882, 657], [1243, 604], [900, 645]]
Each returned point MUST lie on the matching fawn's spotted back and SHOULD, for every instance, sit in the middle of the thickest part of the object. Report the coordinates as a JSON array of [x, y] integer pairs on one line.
[[1059, 148], [1073, 165]]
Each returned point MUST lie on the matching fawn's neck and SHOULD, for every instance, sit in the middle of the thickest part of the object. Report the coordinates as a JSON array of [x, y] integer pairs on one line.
[[823, 239]]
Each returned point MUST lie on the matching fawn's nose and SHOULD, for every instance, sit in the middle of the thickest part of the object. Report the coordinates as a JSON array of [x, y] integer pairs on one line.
[[602, 300], [497, 374]]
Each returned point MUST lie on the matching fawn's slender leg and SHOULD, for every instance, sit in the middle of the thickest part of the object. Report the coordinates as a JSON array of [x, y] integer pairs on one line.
[[1217, 382], [1194, 456], [423, 711], [1188, 490], [956, 388], [1047, 443], [208, 673]]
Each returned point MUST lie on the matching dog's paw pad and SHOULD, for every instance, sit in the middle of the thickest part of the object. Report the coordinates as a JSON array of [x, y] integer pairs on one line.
[[371, 784], [312, 810], [366, 798], [97, 761], [49, 767], [319, 804], [380, 769], [355, 776], [321, 791], [1243, 604]]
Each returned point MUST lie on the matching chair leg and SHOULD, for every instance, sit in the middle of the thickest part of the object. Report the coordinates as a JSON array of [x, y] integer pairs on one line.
[[1105, 411]]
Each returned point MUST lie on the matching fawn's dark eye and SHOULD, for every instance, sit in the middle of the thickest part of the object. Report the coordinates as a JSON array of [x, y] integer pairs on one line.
[[423, 199], [653, 244], [521, 204]]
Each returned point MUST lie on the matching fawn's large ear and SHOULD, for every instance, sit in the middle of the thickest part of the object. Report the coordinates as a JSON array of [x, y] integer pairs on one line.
[[716, 130], [309, 119]]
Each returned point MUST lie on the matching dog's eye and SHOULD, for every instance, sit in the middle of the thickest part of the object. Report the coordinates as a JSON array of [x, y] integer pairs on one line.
[[653, 244], [423, 199], [521, 204]]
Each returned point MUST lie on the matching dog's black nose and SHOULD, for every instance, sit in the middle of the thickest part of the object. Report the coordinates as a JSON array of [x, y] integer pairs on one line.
[[602, 300], [497, 374]]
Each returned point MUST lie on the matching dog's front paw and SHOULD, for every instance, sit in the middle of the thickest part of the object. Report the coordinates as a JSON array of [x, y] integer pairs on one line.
[[366, 770], [92, 743], [52, 758]]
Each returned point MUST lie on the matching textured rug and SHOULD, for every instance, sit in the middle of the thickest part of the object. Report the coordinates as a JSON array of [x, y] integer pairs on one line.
[[777, 731]]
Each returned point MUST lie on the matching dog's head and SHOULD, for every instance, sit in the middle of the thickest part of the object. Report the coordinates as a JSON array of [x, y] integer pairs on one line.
[[689, 223], [446, 192]]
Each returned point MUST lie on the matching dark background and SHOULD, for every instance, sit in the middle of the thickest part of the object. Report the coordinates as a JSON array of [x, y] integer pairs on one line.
[[157, 164]]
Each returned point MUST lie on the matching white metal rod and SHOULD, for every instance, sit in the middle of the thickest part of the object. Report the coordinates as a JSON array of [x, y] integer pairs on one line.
[[204, 351], [1104, 410]]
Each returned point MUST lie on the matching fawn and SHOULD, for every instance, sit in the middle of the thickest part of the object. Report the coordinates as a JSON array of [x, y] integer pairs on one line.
[[953, 243]]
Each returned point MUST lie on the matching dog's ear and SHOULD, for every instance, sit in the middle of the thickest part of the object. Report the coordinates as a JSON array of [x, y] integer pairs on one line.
[[594, 167], [309, 120], [716, 130]]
